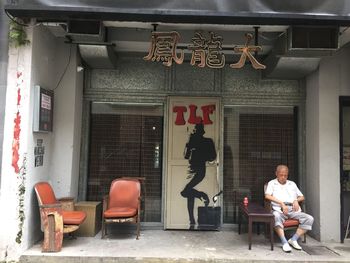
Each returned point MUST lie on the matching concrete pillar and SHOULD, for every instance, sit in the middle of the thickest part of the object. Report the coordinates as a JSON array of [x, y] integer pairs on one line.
[[4, 26], [322, 143], [14, 151]]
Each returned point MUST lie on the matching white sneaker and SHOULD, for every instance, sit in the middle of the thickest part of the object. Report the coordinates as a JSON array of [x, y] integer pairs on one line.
[[286, 248], [295, 244]]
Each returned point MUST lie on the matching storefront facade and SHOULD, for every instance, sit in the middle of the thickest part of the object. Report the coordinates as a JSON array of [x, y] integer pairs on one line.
[[131, 116], [253, 113]]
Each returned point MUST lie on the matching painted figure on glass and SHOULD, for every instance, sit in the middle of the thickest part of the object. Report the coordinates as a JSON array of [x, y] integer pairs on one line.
[[198, 151]]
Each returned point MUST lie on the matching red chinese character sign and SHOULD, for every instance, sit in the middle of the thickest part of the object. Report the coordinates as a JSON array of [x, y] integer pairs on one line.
[[192, 164]]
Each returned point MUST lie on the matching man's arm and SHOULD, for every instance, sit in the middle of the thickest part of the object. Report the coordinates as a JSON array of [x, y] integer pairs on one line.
[[274, 199], [300, 198], [296, 206]]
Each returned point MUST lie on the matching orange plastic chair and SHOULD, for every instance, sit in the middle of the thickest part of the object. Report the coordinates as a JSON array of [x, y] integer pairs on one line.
[[54, 220], [289, 224], [122, 205]]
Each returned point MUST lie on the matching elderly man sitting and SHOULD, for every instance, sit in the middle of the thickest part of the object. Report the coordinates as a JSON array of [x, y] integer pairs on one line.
[[285, 197]]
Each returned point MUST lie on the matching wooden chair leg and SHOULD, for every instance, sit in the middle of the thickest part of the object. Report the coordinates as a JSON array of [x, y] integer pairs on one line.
[[53, 235], [138, 230], [347, 231], [105, 233], [103, 229], [304, 239]]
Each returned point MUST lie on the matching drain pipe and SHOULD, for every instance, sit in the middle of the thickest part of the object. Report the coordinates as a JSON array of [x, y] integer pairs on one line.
[[4, 45]]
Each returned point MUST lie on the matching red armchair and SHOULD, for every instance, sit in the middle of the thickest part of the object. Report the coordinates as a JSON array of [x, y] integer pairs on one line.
[[54, 220], [122, 205]]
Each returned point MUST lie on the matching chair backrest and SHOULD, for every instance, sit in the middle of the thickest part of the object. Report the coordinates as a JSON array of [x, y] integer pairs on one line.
[[267, 204], [45, 193], [124, 193]]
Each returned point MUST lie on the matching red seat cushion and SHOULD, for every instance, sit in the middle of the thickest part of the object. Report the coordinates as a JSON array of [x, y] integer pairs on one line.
[[73, 217], [291, 222], [120, 212]]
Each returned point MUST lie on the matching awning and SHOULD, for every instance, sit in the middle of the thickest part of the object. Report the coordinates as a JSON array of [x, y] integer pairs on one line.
[[262, 12]]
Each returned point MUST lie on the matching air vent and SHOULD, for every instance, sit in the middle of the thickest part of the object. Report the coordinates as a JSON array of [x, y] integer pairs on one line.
[[84, 27], [317, 38], [86, 31]]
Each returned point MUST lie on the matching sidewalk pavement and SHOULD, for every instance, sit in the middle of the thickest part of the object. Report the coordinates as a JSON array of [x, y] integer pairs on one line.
[[185, 246]]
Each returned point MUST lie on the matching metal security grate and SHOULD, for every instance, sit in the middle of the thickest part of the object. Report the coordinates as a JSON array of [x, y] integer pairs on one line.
[[127, 143], [319, 251], [255, 142]]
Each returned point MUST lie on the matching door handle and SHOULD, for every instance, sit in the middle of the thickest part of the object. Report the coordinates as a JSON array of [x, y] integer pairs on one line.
[[213, 163]]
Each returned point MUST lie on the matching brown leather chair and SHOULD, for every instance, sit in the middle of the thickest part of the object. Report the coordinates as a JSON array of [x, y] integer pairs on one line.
[[122, 205], [289, 224], [54, 220]]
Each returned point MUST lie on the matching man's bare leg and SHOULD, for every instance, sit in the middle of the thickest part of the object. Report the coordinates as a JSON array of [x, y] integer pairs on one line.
[[285, 244], [279, 231], [300, 231], [294, 240]]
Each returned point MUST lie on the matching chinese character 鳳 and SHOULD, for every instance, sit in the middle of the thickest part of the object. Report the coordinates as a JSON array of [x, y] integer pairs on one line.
[[163, 48]]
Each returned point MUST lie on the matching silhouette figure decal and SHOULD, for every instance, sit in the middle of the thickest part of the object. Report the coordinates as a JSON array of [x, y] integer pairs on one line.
[[198, 151]]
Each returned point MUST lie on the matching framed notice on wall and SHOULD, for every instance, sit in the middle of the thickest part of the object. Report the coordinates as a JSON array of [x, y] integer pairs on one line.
[[43, 109]]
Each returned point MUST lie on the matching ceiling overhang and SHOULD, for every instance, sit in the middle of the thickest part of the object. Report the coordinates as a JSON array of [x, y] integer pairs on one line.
[[262, 12], [130, 23]]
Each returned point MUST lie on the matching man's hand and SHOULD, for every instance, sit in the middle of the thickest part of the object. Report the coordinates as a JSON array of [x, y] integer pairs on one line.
[[296, 206], [284, 209]]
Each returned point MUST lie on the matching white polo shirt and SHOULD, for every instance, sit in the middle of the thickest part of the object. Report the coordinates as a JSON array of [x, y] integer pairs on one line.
[[287, 192]]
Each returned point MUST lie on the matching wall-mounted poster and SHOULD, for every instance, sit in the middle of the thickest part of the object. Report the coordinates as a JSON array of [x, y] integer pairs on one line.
[[193, 183], [39, 151], [43, 109]]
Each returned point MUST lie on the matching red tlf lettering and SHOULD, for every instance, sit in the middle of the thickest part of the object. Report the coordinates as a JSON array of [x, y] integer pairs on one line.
[[194, 119], [180, 120], [207, 110]]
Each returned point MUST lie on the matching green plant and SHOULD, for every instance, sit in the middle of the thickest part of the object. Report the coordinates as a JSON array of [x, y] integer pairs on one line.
[[17, 34], [21, 191]]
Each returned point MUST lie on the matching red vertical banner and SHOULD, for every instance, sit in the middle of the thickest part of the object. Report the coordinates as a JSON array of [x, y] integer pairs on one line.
[[17, 125]]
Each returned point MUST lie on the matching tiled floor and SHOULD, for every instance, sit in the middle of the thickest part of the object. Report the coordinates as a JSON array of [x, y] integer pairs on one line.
[[185, 246]]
